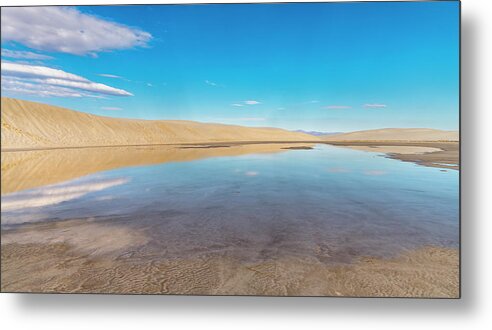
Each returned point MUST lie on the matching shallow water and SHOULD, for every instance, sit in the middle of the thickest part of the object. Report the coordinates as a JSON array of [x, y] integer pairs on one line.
[[330, 203]]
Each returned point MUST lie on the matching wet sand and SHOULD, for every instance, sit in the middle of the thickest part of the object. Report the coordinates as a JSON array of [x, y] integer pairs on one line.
[[447, 156], [404, 150], [85, 263]]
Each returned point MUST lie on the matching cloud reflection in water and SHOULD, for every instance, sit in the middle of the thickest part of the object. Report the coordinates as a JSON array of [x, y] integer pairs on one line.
[[56, 194]]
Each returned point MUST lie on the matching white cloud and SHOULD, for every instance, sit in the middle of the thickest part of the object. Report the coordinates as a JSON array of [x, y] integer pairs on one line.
[[113, 76], [375, 172], [88, 86], [111, 108], [67, 30], [34, 71], [375, 105], [21, 86], [107, 75], [251, 173], [336, 107], [211, 83], [244, 103], [19, 54], [41, 80]]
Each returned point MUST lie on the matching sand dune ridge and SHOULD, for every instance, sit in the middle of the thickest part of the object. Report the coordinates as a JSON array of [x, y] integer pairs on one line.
[[31, 125]]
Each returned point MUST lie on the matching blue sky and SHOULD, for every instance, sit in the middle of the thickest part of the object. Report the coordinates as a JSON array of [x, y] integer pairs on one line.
[[326, 67]]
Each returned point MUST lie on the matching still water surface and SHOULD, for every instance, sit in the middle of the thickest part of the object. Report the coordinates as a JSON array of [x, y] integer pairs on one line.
[[329, 203]]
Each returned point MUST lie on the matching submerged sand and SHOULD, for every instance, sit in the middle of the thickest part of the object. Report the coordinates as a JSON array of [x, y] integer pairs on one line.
[[37, 259]]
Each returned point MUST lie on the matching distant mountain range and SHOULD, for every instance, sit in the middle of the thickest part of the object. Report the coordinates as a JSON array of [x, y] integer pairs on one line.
[[315, 133]]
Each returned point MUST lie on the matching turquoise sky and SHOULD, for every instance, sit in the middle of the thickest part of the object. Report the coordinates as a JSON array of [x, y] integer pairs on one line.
[[320, 66]]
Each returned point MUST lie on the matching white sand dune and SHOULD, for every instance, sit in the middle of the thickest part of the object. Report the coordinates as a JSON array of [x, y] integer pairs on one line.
[[396, 134], [31, 125]]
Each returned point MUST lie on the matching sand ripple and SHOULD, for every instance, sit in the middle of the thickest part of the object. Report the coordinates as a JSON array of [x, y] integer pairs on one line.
[[58, 267]]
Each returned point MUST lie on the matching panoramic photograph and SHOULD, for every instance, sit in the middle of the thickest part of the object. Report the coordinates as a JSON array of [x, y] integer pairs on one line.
[[293, 149]]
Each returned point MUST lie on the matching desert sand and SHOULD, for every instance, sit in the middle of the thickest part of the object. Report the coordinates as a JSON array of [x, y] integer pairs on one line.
[[424, 146], [78, 256], [31, 125], [396, 134], [445, 155], [405, 150]]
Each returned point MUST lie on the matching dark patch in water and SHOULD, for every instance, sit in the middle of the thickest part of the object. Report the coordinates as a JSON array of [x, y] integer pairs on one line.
[[298, 148], [206, 147]]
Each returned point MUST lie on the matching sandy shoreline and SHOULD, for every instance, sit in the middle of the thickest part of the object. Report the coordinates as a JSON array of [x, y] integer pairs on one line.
[[447, 157], [96, 256], [59, 267], [175, 145]]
